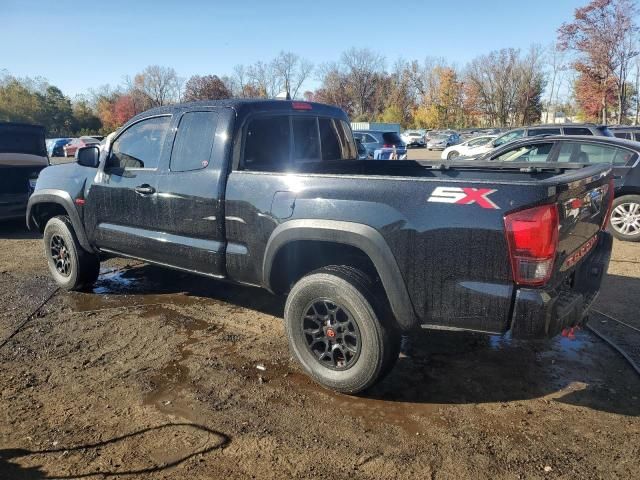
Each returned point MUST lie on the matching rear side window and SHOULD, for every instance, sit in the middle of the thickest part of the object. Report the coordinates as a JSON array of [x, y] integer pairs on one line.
[[591, 153], [140, 146], [534, 132], [194, 141], [577, 131], [626, 135], [336, 141], [267, 143]]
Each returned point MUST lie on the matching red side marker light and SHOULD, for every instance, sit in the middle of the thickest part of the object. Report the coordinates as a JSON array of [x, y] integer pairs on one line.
[[80, 201]]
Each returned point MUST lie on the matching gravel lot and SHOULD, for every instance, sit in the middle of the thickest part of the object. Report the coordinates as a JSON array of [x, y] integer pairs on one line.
[[153, 374]]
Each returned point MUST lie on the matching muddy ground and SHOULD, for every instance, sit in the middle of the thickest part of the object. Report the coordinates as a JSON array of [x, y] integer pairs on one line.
[[153, 374]]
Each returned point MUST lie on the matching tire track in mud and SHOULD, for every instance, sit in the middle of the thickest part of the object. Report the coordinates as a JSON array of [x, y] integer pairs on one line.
[[621, 336]]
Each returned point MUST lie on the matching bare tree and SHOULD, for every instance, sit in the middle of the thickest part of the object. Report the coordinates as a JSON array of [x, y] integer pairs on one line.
[[264, 78], [292, 71], [161, 85], [363, 68], [556, 61]]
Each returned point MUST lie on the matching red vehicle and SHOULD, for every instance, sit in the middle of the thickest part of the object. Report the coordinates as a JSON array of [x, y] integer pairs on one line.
[[71, 148]]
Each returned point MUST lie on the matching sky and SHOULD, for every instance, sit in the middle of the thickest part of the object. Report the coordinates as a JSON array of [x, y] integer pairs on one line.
[[78, 45]]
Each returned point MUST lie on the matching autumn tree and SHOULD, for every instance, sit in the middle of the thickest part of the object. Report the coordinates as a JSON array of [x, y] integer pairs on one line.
[[208, 87], [602, 34], [158, 85]]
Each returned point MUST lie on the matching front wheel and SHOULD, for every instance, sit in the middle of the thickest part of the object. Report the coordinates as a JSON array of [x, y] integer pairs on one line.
[[72, 267], [625, 218], [453, 154], [337, 330]]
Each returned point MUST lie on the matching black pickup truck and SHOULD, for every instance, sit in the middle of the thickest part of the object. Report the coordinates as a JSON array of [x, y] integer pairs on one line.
[[271, 194]]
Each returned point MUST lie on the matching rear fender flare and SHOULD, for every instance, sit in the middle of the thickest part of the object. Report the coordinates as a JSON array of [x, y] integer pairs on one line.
[[363, 237]]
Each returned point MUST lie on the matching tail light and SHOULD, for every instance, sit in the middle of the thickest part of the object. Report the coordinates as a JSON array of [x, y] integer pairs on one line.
[[388, 145], [611, 192], [532, 236]]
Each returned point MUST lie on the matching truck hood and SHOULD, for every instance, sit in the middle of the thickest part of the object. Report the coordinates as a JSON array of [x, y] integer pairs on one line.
[[68, 176]]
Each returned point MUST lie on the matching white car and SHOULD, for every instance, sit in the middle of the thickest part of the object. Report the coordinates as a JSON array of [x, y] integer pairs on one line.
[[413, 138], [473, 146]]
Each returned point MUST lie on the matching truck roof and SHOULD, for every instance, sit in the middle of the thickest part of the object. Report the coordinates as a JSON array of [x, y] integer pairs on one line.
[[247, 105]]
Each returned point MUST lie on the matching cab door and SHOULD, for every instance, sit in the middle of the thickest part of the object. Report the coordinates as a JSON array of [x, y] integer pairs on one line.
[[191, 192], [122, 212]]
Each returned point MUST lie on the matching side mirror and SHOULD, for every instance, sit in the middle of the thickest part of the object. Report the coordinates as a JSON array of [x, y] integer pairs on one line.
[[88, 156]]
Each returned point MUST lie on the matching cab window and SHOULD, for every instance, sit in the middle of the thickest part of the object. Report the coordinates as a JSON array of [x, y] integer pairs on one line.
[[267, 144], [194, 141], [140, 146]]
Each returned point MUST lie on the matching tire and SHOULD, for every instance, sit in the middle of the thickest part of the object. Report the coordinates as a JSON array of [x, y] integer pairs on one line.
[[452, 154], [72, 267], [625, 218], [341, 294]]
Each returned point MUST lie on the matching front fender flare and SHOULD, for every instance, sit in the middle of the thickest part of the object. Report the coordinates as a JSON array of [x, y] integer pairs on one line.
[[364, 237], [63, 199]]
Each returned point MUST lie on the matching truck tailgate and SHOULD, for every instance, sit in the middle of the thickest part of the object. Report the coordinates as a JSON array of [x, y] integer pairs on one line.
[[583, 198]]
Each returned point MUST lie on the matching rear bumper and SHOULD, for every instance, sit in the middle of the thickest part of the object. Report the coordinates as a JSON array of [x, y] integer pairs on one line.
[[543, 313]]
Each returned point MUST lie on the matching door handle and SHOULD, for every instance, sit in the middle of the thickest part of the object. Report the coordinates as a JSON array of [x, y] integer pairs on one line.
[[145, 189]]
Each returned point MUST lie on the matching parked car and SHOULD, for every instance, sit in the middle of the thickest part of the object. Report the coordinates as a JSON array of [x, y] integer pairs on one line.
[[413, 138], [55, 146], [72, 147], [623, 155], [628, 132], [475, 145], [270, 194], [588, 129], [362, 150], [23, 155], [377, 140], [440, 141]]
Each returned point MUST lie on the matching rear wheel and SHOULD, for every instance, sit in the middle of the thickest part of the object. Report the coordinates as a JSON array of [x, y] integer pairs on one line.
[[625, 218], [72, 267], [337, 329]]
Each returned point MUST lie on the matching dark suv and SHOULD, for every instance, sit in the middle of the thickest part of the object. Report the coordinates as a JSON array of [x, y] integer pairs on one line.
[[588, 129], [628, 132], [374, 140]]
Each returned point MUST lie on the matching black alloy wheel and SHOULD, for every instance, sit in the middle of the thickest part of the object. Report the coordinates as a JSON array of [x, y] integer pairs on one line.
[[332, 335], [60, 255]]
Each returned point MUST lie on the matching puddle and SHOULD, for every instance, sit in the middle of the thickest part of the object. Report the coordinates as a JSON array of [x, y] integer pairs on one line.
[[171, 382], [375, 414]]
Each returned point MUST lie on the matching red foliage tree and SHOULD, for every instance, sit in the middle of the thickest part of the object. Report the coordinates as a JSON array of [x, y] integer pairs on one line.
[[123, 109]]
